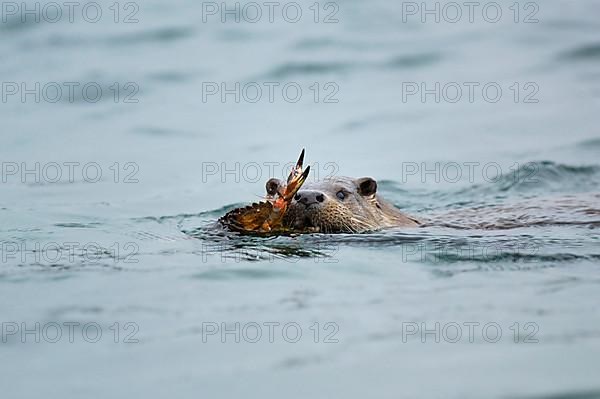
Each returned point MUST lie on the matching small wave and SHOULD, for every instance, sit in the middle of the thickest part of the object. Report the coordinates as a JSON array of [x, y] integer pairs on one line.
[[328, 42], [314, 43], [308, 68], [507, 259], [564, 395], [545, 176], [414, 60], [181, 216], [170, 77], [574, 190], [591, 143], [153, 131], [161, 35], [238, 35], [15, 23], [75, 225], [532, 178], [246, 273], [231, 245], [583, 53]]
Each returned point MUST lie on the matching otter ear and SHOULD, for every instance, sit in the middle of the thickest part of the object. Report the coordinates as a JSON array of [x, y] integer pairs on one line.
[[366, 186]]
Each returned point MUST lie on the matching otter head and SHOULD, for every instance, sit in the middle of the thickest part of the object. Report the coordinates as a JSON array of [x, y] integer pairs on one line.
[[335, 205]]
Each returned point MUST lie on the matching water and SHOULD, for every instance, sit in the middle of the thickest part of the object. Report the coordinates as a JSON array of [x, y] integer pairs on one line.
[[515, 253]]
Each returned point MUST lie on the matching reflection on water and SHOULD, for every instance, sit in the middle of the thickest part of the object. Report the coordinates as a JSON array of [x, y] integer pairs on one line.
[[107, 213]]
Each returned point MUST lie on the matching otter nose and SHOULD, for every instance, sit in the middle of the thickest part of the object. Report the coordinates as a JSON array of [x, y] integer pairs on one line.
[[309, 197]]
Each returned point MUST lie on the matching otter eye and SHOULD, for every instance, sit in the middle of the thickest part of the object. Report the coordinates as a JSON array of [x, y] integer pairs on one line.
[[341, 195]]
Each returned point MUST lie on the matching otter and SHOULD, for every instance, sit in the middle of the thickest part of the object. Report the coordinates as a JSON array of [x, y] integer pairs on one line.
[[340, 205]]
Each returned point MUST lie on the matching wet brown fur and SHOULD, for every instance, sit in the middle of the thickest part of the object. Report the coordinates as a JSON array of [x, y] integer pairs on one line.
[[358, 212]]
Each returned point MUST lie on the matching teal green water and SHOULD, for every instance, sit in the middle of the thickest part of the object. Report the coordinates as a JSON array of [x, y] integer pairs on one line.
[[497, 296]]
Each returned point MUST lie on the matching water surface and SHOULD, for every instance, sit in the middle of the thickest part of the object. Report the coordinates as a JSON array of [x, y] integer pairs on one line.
[[516, 251]]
